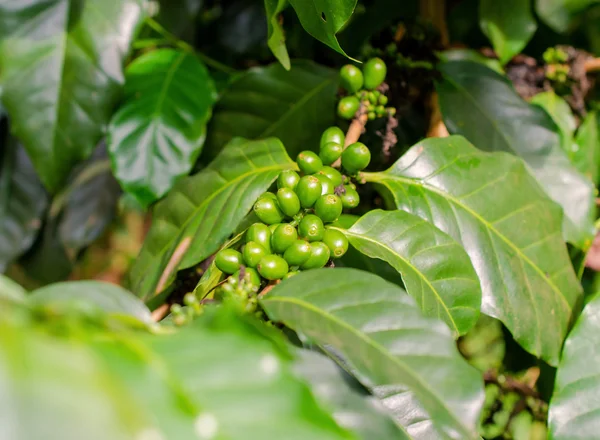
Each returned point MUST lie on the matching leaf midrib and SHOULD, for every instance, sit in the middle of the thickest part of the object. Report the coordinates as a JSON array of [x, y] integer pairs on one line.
[[419, 273], [381, 178], [401, 365]]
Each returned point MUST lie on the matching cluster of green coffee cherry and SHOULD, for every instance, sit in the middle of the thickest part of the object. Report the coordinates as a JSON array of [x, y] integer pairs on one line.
[[293, 233], [361, 87]]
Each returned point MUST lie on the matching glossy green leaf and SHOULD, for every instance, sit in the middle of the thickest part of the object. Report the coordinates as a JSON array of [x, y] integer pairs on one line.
[[203, 210], [509, 25], [587, 155], [23, 201], [323, 19], [561, 114], [92, 297], [276, 39], [11, 290], [270, 101], [436, 270], [352, 408], [471, 55], [483, 106], [62, 73], [574, 406], [490, 204], [560, 15], [157, 134], [401, 356]]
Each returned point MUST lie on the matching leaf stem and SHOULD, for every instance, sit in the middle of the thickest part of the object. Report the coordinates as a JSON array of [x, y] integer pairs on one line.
[[186, 47]]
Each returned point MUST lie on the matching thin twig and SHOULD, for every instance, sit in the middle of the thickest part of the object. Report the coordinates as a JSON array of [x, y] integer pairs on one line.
[[160, 312], [153, 24], [357, 126], [592, 65]]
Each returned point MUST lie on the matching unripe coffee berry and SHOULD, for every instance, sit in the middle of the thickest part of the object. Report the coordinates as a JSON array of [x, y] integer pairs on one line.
[[330, 152], [332, 134], [319, 256], [348, 106], [267, 210], [334, 175], [356, 157], [328, 208], [297, 253], [259, 233], [283, 237], [251, 277], [311, 228], [327, 186], [272, 267], [351, 78], [336, 242], [374, 72], [288, 200], [350, 198], [288, 179], [229, 261], [308, 190], [252, 253], [309, 162]]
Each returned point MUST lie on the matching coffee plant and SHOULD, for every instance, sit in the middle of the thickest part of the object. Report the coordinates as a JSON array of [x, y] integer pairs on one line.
[[334, 219]]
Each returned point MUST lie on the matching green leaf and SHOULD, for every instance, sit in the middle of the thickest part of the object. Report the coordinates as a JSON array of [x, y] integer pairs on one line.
[[91, 297], [483, 106], [270, 101], [509, 25], [276, 39], [62, 62], [436, 270], [401, 356], [561, 114], [10, 290], [245, 386], [574, 406], [507, 225], [323, 19], [470, 55], [23, 201], [203, 210], [560, 15], [352, 408], [158, 132], [587, 155]]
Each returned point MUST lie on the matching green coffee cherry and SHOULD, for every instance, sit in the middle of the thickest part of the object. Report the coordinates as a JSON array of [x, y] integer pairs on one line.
[[372, 98], [267, 209], [371, 116], [383, 100], [348, 106], [330, 152], [289, 203], [260, 234], [283, 237], [229, 260], [311, 228], [251, 277], [288, 179], [308, 190], [356, 157], [336, 242], [374, 72], [272, 267], [252, 253], [350, 198], [309, 162], [334, 175], [272, 229], [297, 253], [291, 274], [328, 208], [319, 256], [351, 78], [332, 134], [380, 111], [327, 186]]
